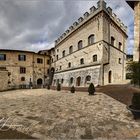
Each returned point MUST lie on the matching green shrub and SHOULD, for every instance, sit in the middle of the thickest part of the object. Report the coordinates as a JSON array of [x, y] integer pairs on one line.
[[134, 72], [136, 100], [58, 87], [72, 89], [48, 87], [91, 89]]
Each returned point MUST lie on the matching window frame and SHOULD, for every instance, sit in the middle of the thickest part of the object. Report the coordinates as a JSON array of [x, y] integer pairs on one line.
[[2, 57], [94, 57], [80, 45], [91, 39], [22, 70]]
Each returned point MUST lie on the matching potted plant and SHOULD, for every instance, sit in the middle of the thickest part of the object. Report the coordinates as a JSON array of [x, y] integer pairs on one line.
[[72, 89], [91, 89], [48, 87], [58, 87], [135, 106]]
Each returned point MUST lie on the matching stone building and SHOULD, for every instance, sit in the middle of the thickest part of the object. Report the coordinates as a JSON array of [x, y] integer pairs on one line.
[[24, 69], [135, 5], [3, 79], [91, 50]]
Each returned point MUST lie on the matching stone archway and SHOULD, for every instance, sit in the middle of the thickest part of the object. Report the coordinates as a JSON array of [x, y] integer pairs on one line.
[[39, 81], [78, 81]]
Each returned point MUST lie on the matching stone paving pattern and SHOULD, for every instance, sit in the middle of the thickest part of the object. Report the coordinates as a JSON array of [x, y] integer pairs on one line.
[[49, 114]]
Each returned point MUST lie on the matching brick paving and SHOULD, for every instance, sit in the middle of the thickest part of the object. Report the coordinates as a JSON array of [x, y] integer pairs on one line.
[[48, 114]]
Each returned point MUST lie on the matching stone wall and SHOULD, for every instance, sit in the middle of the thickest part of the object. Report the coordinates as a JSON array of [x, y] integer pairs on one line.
[[93, 71], [34, 70], [3, 80], [136, 31]]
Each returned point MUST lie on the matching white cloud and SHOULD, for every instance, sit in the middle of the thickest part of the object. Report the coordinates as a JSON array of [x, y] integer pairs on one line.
[[33, 25]]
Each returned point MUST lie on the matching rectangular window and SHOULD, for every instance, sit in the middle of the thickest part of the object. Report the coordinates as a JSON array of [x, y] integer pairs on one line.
[[2, 57], [57, 57], [2, 68], [39, 60], [22, 57], [22, 70]]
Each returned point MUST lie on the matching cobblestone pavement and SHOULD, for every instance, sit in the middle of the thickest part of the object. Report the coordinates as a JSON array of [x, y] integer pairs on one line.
[[49, 114]]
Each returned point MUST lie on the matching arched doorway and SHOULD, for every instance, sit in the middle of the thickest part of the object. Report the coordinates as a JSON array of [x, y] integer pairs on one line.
[[110, 77], [78, 81], [39, 81], [71, 81], [87, 79]]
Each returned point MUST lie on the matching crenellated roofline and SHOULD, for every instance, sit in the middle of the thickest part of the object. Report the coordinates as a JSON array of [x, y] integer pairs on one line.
[[93, 11]]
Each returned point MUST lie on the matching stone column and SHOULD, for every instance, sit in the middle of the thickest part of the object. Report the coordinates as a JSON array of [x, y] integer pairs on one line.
[[137, 32]]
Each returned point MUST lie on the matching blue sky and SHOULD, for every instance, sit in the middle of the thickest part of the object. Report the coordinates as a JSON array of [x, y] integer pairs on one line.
[[35, 24]]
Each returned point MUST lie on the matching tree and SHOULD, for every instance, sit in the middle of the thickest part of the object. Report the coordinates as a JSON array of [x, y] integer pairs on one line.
[[48, 86], [58, 87], [72, 89], [91, 89], [134, 70]]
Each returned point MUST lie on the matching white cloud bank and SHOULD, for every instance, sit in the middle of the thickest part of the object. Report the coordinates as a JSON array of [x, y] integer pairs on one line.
[[35, 24]]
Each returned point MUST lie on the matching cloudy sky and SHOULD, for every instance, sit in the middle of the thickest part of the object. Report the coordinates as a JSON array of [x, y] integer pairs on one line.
[[35, 24]]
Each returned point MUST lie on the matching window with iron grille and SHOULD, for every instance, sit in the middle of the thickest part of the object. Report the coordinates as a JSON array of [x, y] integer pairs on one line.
[[22, 70]]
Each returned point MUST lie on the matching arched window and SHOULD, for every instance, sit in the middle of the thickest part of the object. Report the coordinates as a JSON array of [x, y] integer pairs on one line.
[[62, 80], [78, 81], [69, 65], [112, 41], [71, 80], [94, 58], [120, 45], [120, 61], [82, 61], [80, 44], [63, 53], [22, 78], [88, 79], [70, 49], [90, 39]]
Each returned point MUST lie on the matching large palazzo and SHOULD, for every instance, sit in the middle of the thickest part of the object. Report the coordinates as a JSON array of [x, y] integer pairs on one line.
[[91, 50]]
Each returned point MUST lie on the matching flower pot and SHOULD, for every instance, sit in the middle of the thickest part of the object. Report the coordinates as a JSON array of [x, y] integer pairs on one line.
[[135, 112]]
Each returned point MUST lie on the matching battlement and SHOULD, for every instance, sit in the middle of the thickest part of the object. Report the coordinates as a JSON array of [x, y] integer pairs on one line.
[[101, 5]]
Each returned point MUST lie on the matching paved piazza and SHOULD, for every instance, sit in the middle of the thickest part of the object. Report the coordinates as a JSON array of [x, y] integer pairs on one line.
[[49, 114]]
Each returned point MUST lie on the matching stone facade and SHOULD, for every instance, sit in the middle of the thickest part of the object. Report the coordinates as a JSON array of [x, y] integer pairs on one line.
[[135, 5], [3, 80], [103, 54], [137, 32], [23, 73]]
